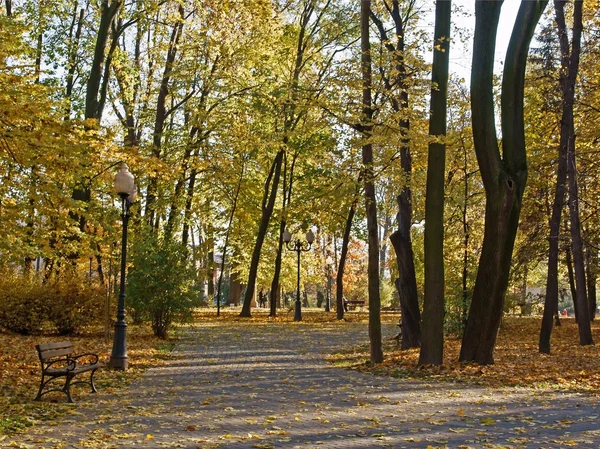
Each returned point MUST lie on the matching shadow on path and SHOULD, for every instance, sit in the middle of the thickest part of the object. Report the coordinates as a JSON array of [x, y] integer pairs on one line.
[[247, 385]]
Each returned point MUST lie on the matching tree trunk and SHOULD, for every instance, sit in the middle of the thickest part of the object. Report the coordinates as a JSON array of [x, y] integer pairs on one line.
[[235, 288], [189, 201], [383, 249], [591, 276], [160, 118], [339, 282], [175, 209], [287, 194], [551, 299], [277, 271], [370, 198], [268, 203], [401, 239], [409, 310], [73, 47], [571, 277], [504, 178], [583, 319], [107, 15], [466, 238], [432, 336], [229, 227]]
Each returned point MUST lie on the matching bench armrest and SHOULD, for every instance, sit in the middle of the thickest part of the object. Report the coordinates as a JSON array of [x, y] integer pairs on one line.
[[65, 361], [93, 359]]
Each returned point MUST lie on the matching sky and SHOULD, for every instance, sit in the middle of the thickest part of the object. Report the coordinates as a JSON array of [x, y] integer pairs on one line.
[[460, 55]]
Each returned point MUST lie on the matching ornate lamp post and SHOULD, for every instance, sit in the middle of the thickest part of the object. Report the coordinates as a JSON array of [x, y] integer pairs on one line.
[[329, 263], [298, 246], [125, 187]]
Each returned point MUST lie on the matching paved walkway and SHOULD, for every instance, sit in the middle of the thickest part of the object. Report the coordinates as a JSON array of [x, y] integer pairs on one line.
[[268, 386]]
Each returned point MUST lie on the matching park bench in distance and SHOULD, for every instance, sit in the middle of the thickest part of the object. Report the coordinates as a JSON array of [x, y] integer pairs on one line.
[[58, 360], [354, 304]]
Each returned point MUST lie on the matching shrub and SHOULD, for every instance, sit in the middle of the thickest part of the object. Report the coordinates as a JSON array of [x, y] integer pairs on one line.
[[27, 304], [74, 304], [22, 306], [161, 283]]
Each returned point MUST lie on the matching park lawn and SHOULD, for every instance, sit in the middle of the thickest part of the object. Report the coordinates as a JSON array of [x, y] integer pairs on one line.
[[569, 367], [20, 372]]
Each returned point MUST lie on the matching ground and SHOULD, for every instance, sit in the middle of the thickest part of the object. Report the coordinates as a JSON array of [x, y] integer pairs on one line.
[[266, 384]]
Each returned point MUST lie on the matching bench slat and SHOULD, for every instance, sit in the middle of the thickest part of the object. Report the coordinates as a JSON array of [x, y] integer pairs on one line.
[[52, 353], [48, 351], [56, 345]]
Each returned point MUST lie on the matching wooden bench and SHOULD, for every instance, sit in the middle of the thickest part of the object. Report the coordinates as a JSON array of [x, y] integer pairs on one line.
[[351, 305], [58, 360]]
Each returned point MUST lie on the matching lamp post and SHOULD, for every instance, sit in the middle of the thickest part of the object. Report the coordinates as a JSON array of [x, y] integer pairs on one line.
[[329, 263], [298, 246], [125, 187]]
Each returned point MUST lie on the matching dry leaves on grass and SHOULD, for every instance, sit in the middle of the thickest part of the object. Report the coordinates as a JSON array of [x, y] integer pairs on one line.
[[20, 372], [517, 360], [309, 316]]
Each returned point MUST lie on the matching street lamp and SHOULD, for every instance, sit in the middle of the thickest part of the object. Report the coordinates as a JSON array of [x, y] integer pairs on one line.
[[298, 246], [125, 187], [329, 263]]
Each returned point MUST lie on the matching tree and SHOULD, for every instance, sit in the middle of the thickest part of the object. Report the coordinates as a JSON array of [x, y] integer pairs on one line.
[[568, 126], [432, 336], [369, 182], [566, 168], [504, 176], [396, 87]]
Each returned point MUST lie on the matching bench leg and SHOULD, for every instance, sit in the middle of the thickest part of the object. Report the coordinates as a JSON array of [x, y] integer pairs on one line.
[[67, 388], [39, 395], [92, 382]]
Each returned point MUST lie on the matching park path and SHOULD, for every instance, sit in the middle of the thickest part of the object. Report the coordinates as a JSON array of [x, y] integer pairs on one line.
[[247, 385]]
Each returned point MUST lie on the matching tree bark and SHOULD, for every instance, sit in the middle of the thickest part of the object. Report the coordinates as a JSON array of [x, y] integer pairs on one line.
[[551, 298], [107, 14], [369, 180], [571, 277], [73, 47], [432, 335], [591, 276], [383, 248], [339, 282], [160, 118], [235, 288], [401, 238], [229, 227], [583, 319], [189, 201], [287, 193], [268, 203], [504, 178]]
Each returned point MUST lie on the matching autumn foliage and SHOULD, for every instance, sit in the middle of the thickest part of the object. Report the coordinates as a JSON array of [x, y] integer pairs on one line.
[[517, 360], [28, 305], [20, 372]]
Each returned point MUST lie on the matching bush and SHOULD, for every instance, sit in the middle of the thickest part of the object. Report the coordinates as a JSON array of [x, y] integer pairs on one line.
[[74, 304], [27, 304], [161, 284], [22, 306]]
